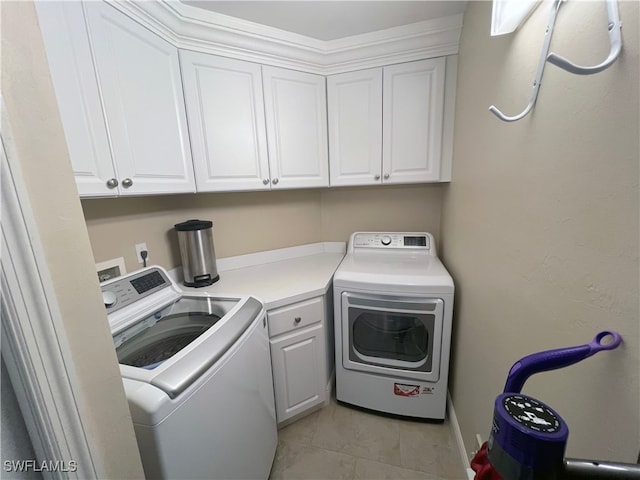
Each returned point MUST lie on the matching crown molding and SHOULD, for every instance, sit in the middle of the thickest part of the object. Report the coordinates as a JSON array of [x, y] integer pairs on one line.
[[192, 28]]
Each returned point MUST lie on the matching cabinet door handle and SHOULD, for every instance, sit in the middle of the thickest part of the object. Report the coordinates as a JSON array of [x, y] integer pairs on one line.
[[265, 181], [275, 181], [376, 177], [112, 183], [386, 176], [297, 320], [127, 182]]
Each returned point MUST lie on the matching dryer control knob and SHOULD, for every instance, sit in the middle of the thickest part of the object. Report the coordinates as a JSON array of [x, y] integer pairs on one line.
[[386, 240], [109, 299]]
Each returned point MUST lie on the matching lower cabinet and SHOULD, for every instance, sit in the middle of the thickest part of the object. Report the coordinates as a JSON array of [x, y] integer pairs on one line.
[[298, 357]]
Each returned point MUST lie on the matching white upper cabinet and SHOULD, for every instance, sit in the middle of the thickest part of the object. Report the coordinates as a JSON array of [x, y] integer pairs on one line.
[[225, 108], [355, 127], [139, 77], [120, 98], [413, 106], [74, 81], [390, 125], [296, 115], [124, 94]]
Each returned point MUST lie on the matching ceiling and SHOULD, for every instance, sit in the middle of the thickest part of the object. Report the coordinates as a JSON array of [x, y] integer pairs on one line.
[[331, 20]]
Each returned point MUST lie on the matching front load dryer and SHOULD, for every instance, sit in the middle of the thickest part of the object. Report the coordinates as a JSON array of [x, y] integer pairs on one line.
[[393, 304]]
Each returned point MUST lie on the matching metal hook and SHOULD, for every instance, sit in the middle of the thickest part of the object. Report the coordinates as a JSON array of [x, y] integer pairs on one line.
[[615, 39], [543, 58]]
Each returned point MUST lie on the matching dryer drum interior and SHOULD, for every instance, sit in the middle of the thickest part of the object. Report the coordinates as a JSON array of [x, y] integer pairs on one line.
[[390, 336]]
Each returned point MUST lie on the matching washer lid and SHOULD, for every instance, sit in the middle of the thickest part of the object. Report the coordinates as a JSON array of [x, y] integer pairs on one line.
[[180, 370], [157, 337]]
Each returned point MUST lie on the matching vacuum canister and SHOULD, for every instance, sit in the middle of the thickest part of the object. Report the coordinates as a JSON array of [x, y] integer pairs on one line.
[[195, 238], [528, 438]]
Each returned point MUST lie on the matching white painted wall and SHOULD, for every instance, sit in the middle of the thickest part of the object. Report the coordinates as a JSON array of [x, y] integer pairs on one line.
[[540, 224]]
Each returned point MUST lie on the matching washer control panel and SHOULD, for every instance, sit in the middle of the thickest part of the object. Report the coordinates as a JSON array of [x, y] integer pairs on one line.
[[122, 292], [392, 240]]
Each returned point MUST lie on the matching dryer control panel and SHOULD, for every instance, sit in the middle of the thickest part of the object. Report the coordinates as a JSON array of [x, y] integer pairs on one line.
[[391, 240]]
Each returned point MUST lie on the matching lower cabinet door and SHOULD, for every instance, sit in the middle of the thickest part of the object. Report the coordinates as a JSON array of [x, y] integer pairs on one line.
[[298, 371]]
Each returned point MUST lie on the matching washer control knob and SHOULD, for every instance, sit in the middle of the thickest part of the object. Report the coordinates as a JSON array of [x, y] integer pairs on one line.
[[109, 299], [386, 240]]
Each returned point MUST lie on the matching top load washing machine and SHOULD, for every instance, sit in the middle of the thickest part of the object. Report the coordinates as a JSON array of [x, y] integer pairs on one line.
[[196, 370], [393, 301]]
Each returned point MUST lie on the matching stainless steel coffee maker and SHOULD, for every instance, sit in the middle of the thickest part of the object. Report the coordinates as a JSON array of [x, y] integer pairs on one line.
[[195, 238]]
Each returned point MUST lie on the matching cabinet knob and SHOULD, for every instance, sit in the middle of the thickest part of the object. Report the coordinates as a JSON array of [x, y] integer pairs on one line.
[[127, 182], [297, 320], [265, 181], [112, 183], [376, 177], [275, 181], [386, 176]]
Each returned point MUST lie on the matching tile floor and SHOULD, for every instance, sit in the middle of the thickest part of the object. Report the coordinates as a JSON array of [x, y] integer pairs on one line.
[[341, 442]]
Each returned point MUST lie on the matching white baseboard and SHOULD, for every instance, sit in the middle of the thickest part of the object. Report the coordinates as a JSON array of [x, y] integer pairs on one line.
[[455, 427]]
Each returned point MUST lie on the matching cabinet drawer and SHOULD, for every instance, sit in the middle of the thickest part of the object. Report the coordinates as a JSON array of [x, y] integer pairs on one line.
[[295, 316]]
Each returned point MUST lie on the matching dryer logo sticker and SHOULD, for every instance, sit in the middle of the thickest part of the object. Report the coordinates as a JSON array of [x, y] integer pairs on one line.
[[402, 390]]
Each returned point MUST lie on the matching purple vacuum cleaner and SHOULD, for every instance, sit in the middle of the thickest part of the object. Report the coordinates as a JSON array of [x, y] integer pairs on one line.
[[528, 438]]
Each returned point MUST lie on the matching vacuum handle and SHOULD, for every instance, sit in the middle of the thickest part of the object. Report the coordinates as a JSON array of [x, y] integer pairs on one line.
[[554, 359], [577, 469]]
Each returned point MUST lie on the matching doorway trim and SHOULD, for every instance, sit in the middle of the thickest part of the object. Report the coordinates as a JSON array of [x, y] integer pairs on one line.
[[34, 344]]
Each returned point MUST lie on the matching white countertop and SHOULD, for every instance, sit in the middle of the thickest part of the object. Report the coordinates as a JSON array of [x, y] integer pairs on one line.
[[278, 277]]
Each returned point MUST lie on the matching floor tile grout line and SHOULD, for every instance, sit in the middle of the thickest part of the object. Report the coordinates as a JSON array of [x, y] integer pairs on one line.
[[308, 437]]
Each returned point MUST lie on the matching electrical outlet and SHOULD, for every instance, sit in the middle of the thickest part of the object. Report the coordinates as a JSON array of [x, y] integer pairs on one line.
[[139, 248]]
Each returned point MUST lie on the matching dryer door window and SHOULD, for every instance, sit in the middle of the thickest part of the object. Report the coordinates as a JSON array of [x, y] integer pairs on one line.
[[386, 335], [398, 336]]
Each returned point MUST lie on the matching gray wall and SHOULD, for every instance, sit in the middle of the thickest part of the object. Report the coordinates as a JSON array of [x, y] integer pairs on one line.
[[540, 224], [16, 444]]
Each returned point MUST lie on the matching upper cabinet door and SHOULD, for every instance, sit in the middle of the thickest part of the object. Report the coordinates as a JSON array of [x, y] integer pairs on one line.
[[354, 102], [139, 77], [67, 45], [413, 116], [296, 113], [225, 108]]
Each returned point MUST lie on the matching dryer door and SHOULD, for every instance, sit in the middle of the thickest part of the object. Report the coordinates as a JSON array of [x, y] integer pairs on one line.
[[396, 336]]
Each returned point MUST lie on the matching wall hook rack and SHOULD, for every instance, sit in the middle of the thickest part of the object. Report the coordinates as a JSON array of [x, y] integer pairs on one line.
[[543, 59], [615, 39]]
